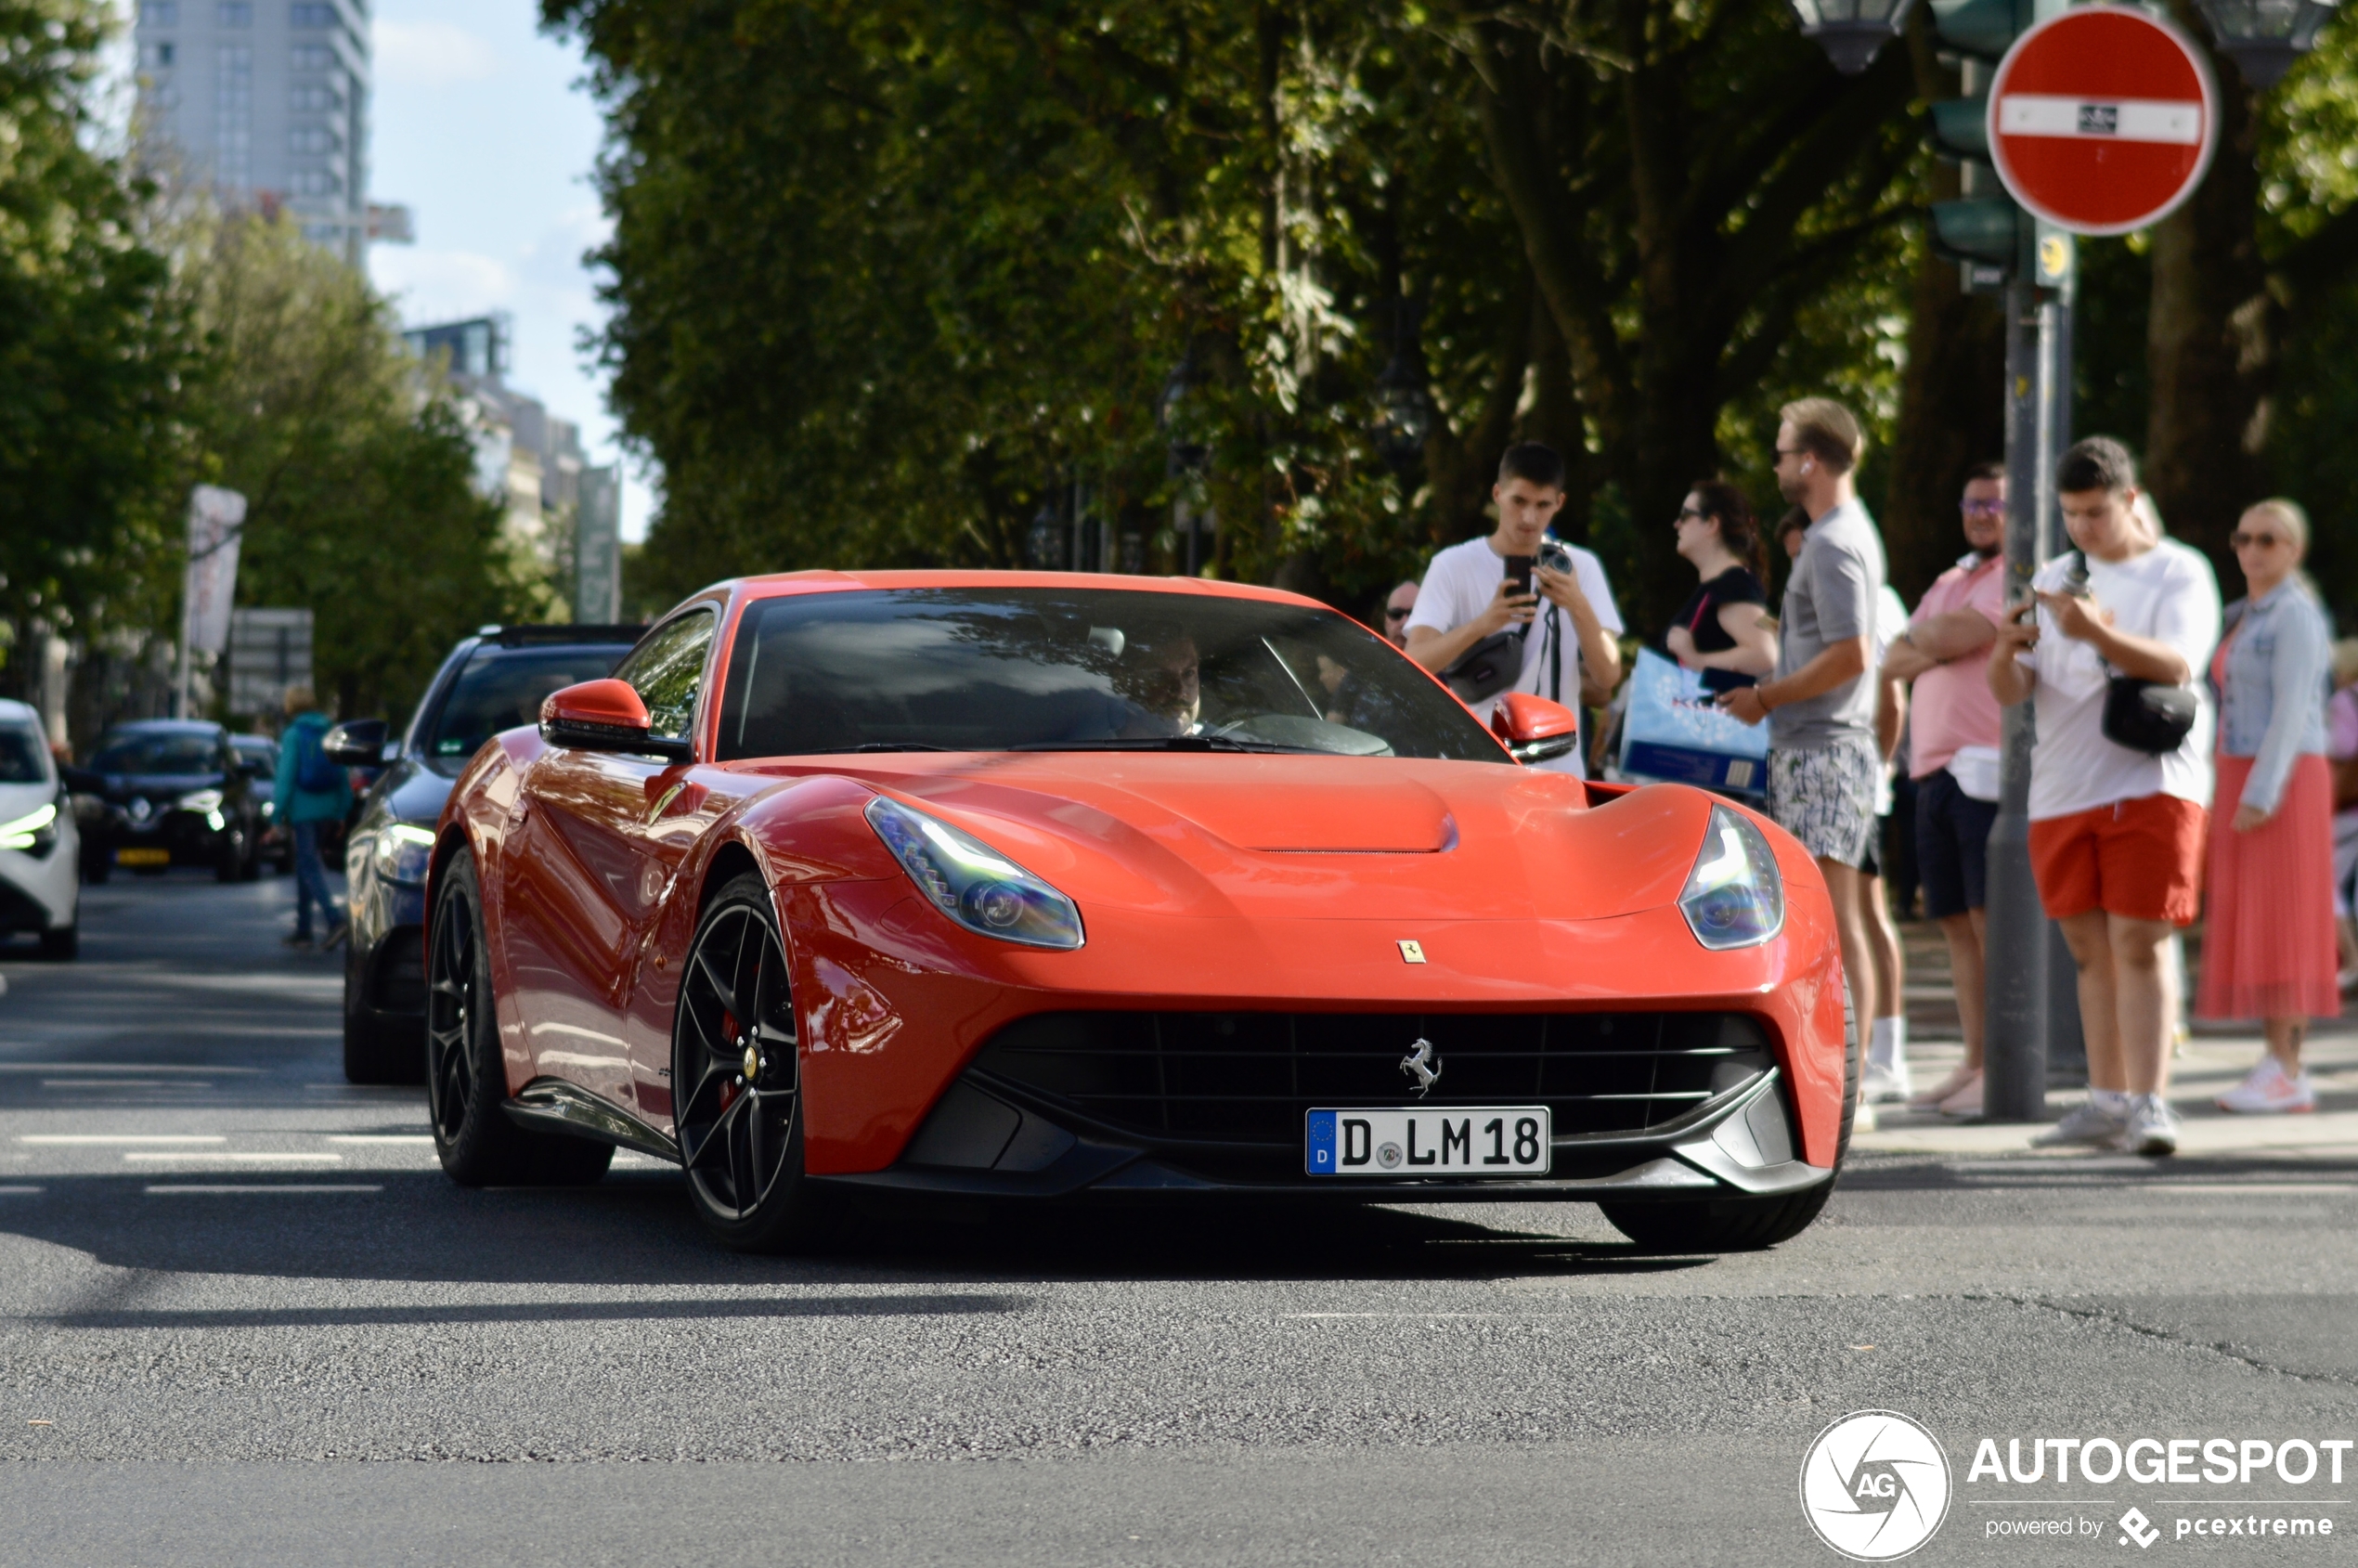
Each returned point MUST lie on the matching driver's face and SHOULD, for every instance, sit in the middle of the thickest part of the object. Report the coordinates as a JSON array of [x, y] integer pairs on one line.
[[1173, 685]]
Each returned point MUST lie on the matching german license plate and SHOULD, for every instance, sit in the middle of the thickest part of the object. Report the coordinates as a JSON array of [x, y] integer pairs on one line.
[[1459, 1141], [143, 857]]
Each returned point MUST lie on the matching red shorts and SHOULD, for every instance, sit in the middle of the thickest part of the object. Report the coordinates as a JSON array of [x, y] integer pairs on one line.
[[2139, 857]]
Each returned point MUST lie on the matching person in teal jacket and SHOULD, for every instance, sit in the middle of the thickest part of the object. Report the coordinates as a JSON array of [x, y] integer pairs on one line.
[[311, 790]]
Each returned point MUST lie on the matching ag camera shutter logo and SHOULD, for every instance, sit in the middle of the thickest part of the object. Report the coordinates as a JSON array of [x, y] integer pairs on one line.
[[1875, 1486]]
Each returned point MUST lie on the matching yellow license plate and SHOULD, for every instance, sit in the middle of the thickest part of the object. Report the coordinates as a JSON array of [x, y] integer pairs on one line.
[[143, 857]]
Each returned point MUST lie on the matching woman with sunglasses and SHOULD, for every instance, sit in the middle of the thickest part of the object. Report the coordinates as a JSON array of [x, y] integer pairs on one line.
[[2269, 950], [1721, 628]]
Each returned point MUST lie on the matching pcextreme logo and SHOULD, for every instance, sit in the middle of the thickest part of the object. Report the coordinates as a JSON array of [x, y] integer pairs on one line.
[[1875, 1486]]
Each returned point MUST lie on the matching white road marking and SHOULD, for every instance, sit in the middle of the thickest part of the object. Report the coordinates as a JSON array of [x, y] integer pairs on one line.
[[122, 1067], [19, 1192], [124, 1083], [2256, 1188], [209, 1157], [161, 1191], [401, 1138], [63, 1138]]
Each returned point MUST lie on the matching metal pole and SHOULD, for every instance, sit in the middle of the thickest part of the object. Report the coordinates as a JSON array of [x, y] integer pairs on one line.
[[2067, 1048], [2014, 1068]]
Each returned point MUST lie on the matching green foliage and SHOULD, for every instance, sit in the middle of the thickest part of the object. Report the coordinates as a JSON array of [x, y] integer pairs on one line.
[[358, 480], [92, 346]]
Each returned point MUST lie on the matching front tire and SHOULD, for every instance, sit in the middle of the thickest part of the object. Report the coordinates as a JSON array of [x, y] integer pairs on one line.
[[736, 1075], [1741, 1224], [466, 1074]]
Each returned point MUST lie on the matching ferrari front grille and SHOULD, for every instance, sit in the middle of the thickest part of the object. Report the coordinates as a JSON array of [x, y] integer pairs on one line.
[[1247, 1078]]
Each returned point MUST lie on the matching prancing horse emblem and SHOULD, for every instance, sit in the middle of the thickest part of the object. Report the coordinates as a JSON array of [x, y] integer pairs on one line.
[[1424, 1066]]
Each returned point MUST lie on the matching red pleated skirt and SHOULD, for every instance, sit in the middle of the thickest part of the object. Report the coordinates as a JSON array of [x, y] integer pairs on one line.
[[2268, 945]]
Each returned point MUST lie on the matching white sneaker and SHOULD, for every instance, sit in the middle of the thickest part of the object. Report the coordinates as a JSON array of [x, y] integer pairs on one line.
[[2091, 1123], [1963, 1078], [2267, 1092], [2153, 1127], [1883, 1084], [1966, 1101]]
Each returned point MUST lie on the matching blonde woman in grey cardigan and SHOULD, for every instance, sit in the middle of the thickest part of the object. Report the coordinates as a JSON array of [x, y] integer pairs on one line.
[[2269, 947]]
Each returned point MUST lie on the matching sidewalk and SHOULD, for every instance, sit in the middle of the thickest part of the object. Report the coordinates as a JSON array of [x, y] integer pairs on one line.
[[2216, 1059]]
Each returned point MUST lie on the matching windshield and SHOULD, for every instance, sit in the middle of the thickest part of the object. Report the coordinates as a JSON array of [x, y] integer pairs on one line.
[[1014, 669], [503, 688], [167, 753], [22, 754]]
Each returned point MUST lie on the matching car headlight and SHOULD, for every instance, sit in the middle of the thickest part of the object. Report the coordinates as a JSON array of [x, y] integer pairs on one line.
[[402, 853], [972, 883], [199, 800], [36, 830], [1734, 896]]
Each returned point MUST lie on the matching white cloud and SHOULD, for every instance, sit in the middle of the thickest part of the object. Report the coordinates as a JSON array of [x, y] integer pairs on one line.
[[431, 54], [441, 285]]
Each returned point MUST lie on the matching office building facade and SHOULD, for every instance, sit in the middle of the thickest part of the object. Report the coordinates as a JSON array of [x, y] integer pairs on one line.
[[265, 102]]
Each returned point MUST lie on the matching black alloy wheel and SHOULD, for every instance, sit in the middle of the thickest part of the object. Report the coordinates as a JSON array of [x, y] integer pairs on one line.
[[1741, 1224], [466, 1076], [736, 1075]]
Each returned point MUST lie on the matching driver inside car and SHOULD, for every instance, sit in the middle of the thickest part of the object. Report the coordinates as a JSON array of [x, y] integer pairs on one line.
[[1165, 688]]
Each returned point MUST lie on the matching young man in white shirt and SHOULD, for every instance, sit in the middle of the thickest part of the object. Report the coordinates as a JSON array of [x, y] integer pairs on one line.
[[1568, 654], [2116, 835]]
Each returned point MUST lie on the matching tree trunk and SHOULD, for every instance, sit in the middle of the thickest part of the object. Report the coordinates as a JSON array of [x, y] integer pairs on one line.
[[2208, 342], [1952, 395]]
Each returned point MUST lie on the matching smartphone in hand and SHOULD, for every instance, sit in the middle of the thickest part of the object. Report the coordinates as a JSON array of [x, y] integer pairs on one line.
[[1519, 573]]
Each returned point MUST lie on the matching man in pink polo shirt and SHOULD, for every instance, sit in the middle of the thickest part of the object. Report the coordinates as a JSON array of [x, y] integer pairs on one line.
[[1954, 759]]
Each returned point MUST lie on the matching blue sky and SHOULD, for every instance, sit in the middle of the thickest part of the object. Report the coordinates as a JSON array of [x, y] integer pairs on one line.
[[483, 131]]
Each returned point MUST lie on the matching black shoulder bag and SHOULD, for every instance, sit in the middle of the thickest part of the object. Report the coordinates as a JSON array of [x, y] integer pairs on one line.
[[2145, 715]]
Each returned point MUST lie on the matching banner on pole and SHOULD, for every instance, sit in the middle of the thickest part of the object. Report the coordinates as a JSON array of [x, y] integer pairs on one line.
[[216, 519]]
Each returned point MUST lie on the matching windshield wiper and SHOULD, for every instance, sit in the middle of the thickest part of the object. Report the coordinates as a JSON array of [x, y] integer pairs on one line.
[[1163, 743]]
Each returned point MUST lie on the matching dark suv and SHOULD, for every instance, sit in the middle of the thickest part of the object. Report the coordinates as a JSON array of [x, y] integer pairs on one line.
[[166, 792], [493, 680]]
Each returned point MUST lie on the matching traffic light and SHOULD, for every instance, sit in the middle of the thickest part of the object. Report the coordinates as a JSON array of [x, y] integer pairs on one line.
[[1983, 231]]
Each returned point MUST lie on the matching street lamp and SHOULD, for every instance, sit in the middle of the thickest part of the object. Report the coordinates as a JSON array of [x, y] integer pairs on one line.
[[2265, 36], [1403, 408], [1851, 31]]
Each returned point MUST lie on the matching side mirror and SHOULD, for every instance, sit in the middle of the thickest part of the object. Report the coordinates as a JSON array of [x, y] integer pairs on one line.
[[605, 715], [1534, 727], [355, 743]]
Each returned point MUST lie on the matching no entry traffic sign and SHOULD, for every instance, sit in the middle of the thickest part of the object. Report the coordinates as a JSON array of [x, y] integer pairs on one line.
[[2102, 120]]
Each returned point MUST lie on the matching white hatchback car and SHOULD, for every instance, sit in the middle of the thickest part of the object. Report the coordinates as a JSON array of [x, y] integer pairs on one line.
[[40, 850]]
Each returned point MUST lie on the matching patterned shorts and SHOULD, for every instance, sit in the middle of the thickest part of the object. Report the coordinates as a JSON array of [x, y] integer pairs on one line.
[[1826, 797]]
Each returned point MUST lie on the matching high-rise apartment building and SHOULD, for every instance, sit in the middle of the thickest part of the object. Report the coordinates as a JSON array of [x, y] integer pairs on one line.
[[267, 102]]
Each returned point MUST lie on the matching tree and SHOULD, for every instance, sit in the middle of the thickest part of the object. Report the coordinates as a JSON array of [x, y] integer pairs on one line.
[[359, 475], [92, 345]]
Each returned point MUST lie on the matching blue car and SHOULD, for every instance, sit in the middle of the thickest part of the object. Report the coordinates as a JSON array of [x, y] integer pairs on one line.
[[493, 680]]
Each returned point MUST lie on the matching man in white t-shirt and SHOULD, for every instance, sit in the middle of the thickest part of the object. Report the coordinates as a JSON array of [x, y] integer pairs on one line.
[[2117, 834], [1568, 654]]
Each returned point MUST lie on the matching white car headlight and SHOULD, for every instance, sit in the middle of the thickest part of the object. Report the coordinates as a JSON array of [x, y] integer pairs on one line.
[[1734, 896], [972, 883], [402, 853], [199, 800], [29, 832]]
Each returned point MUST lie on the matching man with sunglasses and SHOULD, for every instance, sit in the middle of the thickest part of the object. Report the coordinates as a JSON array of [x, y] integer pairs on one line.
[[1953, 759], [1396, 607]]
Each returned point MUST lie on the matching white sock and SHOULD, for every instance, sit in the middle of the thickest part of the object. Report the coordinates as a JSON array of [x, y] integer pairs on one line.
[[1879, 1044], [2112, 1100], [1898, 1038]]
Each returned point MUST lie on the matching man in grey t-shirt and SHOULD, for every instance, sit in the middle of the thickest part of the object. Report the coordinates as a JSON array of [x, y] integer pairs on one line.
[[1821, 703]]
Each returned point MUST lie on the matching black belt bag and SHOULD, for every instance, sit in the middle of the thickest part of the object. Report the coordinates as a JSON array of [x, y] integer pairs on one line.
[[2147, 716], [1486, 668]]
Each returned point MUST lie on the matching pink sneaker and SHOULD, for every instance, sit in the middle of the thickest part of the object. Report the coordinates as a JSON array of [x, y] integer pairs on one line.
[[2267, 1092]]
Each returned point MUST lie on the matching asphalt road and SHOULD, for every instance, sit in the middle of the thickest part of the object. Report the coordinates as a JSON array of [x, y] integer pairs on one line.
[[243, 1319]]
